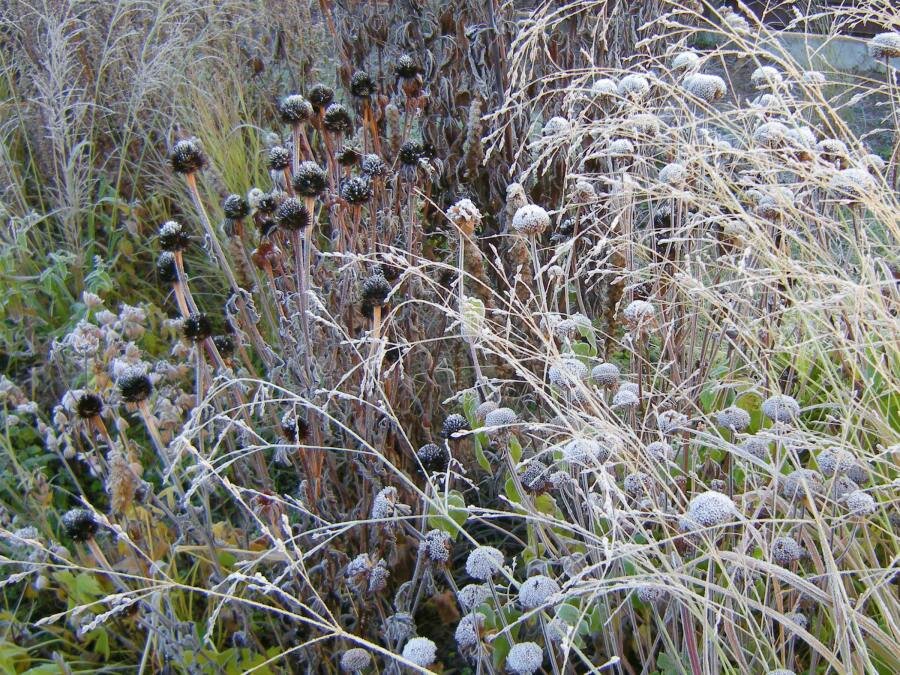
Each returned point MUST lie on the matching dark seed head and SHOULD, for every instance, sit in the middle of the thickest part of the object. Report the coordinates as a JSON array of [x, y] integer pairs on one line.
[[320, 96], [294, 109], [357, 190], [166, 269], [535, 478], [235, 207], [406, 67], [197, 327], [361, 85], [292, 215], [337, 119], [172, 236], [410, 153], [453, 424], [294, 429], [224, 344], [349, 155], [269, 202], [279, 158], [187, 157], [79, 524], [372, 165], [375, 290], [265, 226], [134, 385], [428, 150], [88, 406], [433, 458], [310, 179]]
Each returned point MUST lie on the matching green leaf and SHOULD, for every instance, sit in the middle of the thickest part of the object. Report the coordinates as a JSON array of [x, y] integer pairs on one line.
[[515, 449], [480, 443], [456, 511]]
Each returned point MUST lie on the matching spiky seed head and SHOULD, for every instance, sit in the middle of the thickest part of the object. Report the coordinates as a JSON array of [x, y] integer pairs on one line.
[[733, 418], [633, 86], [374, 290], [786, 550], [585, 452], [398, 627], [372, 165], [637, 484], [357, 190], [833, 461], [468, 631], [885, 46], [484, 408], [525, 658], [798, 483], [567, 373], [420, 651], [709, 509], [639, 314], [406, 67], [279, 158], [770, 135], [531, 220], [166, 268], [860, 503], [433, 457], [781, 408], [501, 418], [355, 660], [535, 478], [453, 424], [766, 76], [88, 405], [134, 385], [841, 486], [320, 96], [349, 155], [685, 61], [361, 84], [625, 397], [473, 595], [536, 591], [674, 174], [484, 562], [671, 421], [224, 344], [79, 524], [337, 119], [197, 327], [292, 215], [465, 215], [557, 126], [173, 237], [187, 157], [620, 147], [604, 88], [606, 374], [651, 595], [757, 446], [410, 153], [660, 451], [268, 202], [294, 109], [310, 179], [853, 184], [435, 547], [708, 88], [235, 207]]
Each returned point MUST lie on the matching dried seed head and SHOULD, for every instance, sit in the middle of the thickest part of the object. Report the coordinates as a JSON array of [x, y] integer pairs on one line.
[[435, 547], [637, 484], [770, 135], [468, 631], [674, 174], [134, 385], [535, 478], [294, 109], [293, 428], [366, 574], [854, 185], [501, 418], [557, 126], [660, 451], [757, 446], [639, 314], [531, 220], [292, 215], [604, 88], [355, 660], [733, 418], [375, 290], [651, 595], [860, 503], [634, 87], [685, 61], [671, 421], [235, 207], [349, 155], [224, 344], [172, 236], [785, 550], [798, 483], [465, 215], [320, 96], [279, 158], [484, 562], [267, 202], [620, 147], [196, 327], [410, 153], [484, 409], [310, 179], [79, 524], [766, 76], [524, 658], [406, 67], [88, 405], [626, 397], [372, 165], [567, 373], [399, 626], [387, 505], [885, 46], [710, 509], [453, 424], [473, 595], [362, 85], [781, 408], [833, 461], [337, 119], [606, 374], [187, 157], [841, 486], [357, 190], [166, 268], [434, 458], [420, 651], [709, 88], [585, 452], [536, 591]]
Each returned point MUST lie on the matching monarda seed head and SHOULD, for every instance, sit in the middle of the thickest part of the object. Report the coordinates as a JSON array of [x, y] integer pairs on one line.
[[375, 290], [320, 96], [224, 344], [187, 157], [79, 524], [356, 190], [294, 109], [337, 119], [172, 236], [197, 327], [292, 215], [279, 158], [362, 85], [406, 67], [310, 179], [134, 385], [355, 660], [166, 267], [88, 405], [453, 424], [434, 458], [235, 207], [410, 153], [349, 155], [372, 165]]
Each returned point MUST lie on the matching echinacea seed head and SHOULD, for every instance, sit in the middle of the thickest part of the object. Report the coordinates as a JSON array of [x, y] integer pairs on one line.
[[671, 421], [473, 595], [320, 96], [709, 509], [435, 547], [797, 484], [660, 451], [708, 88], [337, 119], [535, 478], [173, 237], [525, 658], [484, 562], [134, 385], [786, 550], [639, 314], [310, 179], [292, 215], [536, 591], [781, 408], [375, 290], [79, 524], [187, 157], [361, 84], [355, 660], [356, 190], [410, 153], [531, 220], [885, 46], [373, 166], [349, 155], [387, 505], [433, 457], [279, 158], [468, 631], [166, 267], [294, 429], [633, 87], [637, 484], [235, 207], [733, 418], [685, 61], [453, 425], [294, 109], [852, 184], [860, 503], [604, 88], [770, 135], [268, 202], [484, 408], [406, 67], [465, 215], [556, 126], [196, 327], [88, 405], [765, 76], [420, 651]]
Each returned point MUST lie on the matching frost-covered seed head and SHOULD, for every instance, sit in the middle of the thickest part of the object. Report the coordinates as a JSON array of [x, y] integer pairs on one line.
[[187, 157], [373, 165], [375, 290], [196, 327], [785, 550], [465, 215], [670, 421], [797, 618], [453, 425], [173, 237], [406, 67], [797, 483], [733, 418], [337, 119], [484, 562], [468, 631], [557, 126], [765, 76], [781, 408], [434, 458], [436, 547], [310, 179], [841, 486], [620, 147], [674, 174], [410, 153], [537, 591], [531, 220], [292, 215], [853, 184], [294, 109], [606, 374], [633, 86], [567, 373], [501, 417], [651, 595], [320, 96], [167, 268], [235, 207], [770, 135], [399, 626], [88, 405], [709, 88], [484, 409], [840, 461], [473, 595], [361, 84], [625, 398], [639, 314], [585, 452], [355, 660], [860, 503], [885, 46], [660, 451], [387, 504], [525, 658], [757, 446], [79, 524], [279, 158], [535, 478], [604, 88], [134, 385], [710, 509], [685, 61], [420, 651], [637, 484], [356, 190]]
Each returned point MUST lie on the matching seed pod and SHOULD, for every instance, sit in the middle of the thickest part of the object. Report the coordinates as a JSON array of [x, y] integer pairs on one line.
[[406, 67], [235, 207], [337, 119], [294, 109], [320, 96], [362, 85], [279, 158], [134, 385]]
